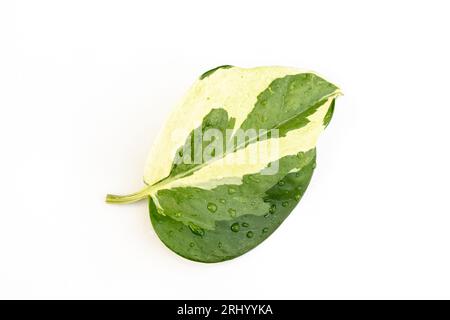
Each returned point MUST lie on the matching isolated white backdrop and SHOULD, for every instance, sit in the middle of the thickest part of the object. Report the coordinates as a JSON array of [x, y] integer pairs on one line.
[[85, 86]]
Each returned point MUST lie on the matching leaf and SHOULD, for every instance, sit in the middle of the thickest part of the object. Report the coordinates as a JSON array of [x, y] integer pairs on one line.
[[213, 194]]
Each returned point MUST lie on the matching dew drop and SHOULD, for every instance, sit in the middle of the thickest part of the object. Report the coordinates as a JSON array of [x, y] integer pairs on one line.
[[285, 204], [272, 208], [245, 224], [212, 207], [177, 214], [266, 215], [219, 245], [281, 183], [223, 201], [191, 244], [196, 230], [298, 196], [250, 234], [297, 174], [235, 227], [232, 212], [231, 190], [265, 230]]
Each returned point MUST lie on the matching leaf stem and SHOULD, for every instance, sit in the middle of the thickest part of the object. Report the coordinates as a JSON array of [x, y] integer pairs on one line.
[[134, 197]]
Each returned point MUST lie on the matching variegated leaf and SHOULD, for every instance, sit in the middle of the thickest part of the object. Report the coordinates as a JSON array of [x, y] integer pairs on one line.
[[234, 159]]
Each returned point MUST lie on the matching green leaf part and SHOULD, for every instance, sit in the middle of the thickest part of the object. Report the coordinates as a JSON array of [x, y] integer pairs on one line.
[[210, 72], [208, 208]]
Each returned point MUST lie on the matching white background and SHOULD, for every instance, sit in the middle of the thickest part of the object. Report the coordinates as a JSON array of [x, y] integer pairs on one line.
[[85, 86]]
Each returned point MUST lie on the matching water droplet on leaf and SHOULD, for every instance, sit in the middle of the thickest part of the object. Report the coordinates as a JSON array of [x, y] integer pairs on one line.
[[196, 230], [250, 234], [223, 201], [273, 208], [232, 212], [245, 224], [212, 207], [231, 190], [285, 204], [235, 227], [265, 230]]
